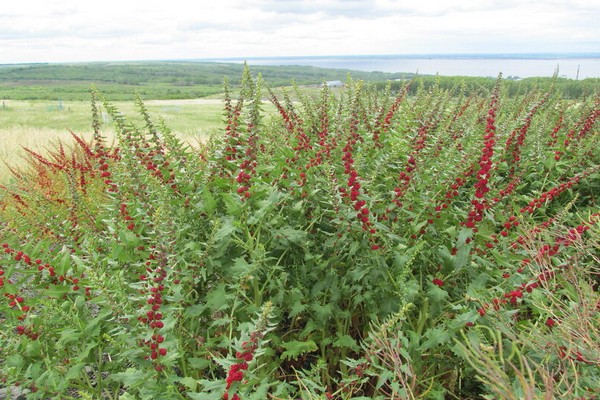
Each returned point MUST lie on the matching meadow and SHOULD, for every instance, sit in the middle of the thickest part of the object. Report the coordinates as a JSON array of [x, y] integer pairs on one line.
[[39, 124], [408, 241]]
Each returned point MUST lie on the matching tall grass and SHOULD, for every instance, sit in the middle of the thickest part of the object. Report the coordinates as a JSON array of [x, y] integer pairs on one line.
[[37, 125]]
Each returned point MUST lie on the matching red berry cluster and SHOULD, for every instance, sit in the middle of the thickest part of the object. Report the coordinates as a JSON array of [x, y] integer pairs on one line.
[[438, 282], [557, 190], [543, 256], [485, 166], [153, 317], [515, 142], [18, 302], [586, 125], [236, 371], [103, 168], [404, 177], [354, 191], [554, 136], [26, 331], [128, 219], [383, 125], [575, 355]]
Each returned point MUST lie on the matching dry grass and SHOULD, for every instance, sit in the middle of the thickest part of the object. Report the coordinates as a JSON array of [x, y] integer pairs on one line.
[[38, 124], [15, 138]]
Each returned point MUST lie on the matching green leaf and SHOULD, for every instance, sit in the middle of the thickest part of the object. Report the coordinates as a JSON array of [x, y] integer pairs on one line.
[[129, 238], [462, 257], [323, 311], [74, 371], [297, 308], [294, 348], [189, 382], [232, 203], [199, 363], [215, 395], [436, 294], [217, 298], [434, 337], [241, 268], [464, 234], [292, 235], [223, 234], [15, 360], [346, 341], [131, 377], [208, 203], [68, 336], [194, 311]]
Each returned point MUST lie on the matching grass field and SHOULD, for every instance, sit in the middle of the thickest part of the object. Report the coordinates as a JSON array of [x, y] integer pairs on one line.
[[37, 124]]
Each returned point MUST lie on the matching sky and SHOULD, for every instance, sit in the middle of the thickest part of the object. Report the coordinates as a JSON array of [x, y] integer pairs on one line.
[[111, 30]]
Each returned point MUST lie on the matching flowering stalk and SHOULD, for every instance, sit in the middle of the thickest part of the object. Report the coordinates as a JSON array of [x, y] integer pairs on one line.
[[480, 204], [247, 353]]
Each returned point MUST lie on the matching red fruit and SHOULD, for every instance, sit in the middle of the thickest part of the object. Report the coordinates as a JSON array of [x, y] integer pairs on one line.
[[438, 282]]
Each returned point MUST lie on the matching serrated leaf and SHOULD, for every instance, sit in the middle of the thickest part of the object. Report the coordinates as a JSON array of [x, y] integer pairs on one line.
[[195, 310], [74, 371], [189, 382], [232, 203], [217, 298], [131, 377], [463, 255], [292, 235], [241, 267], [294, 348], [199, 363], [436, 294], [346, 341], [354, 248], [297, 308], [129, 238], [205, 396], [464, 234], [434, 337], [225, 230], [323, 311], [208, 203], [68, 336]]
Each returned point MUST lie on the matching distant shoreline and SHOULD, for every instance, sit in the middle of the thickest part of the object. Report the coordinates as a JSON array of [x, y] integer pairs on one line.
[[426, 56], [516, 65]]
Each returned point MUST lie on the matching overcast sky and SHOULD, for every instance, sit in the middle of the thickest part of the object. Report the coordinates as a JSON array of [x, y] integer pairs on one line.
[[82, 30]]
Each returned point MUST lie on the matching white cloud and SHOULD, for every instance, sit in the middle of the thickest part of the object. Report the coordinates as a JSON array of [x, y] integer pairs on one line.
[[70, 30]]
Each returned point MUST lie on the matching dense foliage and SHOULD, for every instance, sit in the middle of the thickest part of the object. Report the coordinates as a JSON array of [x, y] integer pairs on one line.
[[365, 245]]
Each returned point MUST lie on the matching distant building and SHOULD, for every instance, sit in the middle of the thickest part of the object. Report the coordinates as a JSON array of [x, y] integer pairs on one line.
[[334, 84]]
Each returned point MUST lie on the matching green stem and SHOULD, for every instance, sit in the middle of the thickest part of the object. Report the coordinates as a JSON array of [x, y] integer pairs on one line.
[[423, 316]]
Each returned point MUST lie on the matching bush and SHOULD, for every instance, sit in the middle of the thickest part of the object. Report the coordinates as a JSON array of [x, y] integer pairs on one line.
[[353, 245]]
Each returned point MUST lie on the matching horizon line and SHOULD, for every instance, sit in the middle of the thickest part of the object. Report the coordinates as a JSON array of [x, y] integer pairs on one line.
[[498, 55]]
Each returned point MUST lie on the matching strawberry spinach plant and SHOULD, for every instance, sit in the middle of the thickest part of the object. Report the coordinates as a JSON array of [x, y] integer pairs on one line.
[[357, 244]]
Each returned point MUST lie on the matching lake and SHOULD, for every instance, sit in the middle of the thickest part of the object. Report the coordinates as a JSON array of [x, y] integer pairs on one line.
[[573, 66]]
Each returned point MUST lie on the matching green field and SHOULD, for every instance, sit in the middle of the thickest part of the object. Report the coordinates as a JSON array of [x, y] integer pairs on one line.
[[39, 123]]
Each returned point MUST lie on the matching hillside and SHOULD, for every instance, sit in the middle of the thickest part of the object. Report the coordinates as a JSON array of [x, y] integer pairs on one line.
[[156, 80]]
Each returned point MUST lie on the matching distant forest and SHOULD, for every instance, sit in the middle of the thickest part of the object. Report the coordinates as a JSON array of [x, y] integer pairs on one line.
[[184, 80]]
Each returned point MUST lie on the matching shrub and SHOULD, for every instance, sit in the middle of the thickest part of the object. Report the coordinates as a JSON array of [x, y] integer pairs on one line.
[[361, 244]]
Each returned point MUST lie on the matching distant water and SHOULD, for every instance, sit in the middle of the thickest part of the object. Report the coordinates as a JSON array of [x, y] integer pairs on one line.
[[571, 66]]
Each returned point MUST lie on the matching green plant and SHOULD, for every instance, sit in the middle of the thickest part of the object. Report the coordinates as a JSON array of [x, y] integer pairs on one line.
[[261, 264]]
